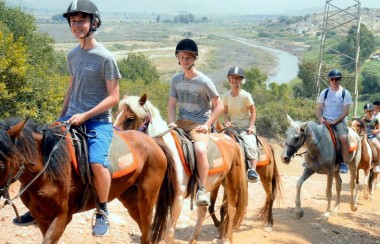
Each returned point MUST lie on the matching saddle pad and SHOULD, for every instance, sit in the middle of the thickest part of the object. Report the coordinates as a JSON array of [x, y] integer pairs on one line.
[[215, 153], [263, 156], [215, 158], [121, 158], [181, 153]]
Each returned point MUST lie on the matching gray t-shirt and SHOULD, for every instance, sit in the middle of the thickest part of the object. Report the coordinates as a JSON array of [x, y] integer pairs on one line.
[[193, 96], [91, 68]]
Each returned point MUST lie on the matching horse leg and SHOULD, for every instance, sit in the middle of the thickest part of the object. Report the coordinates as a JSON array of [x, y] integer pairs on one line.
[[338, 188], [52, 230], [266, 179], [172, 222], [307, 172], [330, 178], [211, 208], [353, 186], [130, 201], [201, 211], [365, 183]]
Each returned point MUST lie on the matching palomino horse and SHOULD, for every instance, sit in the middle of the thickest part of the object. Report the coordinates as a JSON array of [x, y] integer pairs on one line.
[[138, 113], [320, 157], [269, 177], [41, 158], [367, 160]]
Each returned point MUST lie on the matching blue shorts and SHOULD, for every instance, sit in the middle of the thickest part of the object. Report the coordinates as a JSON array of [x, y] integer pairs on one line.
[[99, 140]]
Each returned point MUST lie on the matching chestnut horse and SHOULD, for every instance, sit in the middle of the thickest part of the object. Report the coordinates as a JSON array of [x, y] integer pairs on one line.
[[320, 156], [269, 178], [139, 114], [367, 160], [39, 157]]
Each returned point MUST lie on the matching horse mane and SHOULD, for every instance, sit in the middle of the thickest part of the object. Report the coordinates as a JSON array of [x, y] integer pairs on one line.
[[25, 148], [60, 159]]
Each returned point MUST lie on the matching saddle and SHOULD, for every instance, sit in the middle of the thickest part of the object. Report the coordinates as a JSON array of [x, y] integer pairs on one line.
[[263, 158], [337, 144]]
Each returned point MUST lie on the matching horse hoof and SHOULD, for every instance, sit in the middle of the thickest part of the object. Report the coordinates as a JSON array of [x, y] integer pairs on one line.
[[299, 213], [220, 241], [354, 208], [268, 229], [325, 216]]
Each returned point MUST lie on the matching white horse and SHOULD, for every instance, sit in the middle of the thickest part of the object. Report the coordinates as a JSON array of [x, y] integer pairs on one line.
[[320, 157], [139, 114]]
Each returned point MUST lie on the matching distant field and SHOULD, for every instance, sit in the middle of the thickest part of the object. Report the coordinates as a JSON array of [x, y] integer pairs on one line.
[[158, 40]]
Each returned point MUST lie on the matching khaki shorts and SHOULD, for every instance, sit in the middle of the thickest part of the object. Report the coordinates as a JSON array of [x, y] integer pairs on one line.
[[341, 128], [189, 128], [250, 144]]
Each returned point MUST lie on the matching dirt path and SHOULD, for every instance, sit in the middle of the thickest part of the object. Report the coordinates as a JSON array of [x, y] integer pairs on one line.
[[362, 226]]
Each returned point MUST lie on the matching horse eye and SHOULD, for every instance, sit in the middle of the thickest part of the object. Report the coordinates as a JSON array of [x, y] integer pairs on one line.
[[130, 119]]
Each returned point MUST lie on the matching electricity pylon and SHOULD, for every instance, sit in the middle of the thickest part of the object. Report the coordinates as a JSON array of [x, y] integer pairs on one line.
[[340, 17]]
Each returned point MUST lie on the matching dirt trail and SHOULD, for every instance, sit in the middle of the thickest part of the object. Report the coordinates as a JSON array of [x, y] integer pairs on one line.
[[362, 226]]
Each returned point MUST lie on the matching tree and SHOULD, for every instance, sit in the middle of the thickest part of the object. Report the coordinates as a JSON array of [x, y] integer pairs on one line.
[[308, 74], [348, 47], [32, 73], [370, 78], [138, 67]]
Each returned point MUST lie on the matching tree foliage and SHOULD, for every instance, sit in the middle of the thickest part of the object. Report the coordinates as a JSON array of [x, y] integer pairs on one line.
[[348, 47], [158, 92], [31, 72], [370, 78], [307, 72], [138, 67]]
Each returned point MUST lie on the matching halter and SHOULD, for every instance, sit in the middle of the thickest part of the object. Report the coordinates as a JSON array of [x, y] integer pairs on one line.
[[297, 147]]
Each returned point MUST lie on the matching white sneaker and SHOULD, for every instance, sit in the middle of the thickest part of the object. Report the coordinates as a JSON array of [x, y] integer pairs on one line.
[[376, 169], [202, 197]]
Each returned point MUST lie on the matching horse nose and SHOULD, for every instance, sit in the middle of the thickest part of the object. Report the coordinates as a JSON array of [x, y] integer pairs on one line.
[[285, 159]]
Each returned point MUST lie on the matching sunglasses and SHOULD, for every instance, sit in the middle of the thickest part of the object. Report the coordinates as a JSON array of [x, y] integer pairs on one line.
[[334, 79]]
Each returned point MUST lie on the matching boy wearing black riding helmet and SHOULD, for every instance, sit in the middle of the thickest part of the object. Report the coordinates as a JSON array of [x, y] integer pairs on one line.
[[333, 107], [199, 106], [93, 91]]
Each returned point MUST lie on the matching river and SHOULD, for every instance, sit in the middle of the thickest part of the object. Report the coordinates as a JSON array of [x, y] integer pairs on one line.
[[287, 63]]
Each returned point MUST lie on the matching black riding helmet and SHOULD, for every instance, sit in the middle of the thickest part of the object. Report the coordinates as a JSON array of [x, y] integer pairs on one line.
[[236, 71], [335, 73], [187, 45], [84, 6], [368, 106]]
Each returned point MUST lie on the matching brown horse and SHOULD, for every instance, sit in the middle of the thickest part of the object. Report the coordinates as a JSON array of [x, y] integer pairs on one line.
[[39, 157], [367, 160], [269, 177], [224, 154]]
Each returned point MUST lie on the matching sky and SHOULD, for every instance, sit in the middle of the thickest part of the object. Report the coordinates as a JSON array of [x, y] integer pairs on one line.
[[199, 6]]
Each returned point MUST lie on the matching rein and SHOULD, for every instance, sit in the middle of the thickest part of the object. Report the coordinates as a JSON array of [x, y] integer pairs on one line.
[[5, 189]]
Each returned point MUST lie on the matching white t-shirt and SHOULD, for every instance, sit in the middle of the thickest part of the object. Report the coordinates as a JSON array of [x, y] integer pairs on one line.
[[334, 102]]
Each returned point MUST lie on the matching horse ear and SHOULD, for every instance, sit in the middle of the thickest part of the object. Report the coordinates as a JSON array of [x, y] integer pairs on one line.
[[143, 99], [289, 119], [16, 130]]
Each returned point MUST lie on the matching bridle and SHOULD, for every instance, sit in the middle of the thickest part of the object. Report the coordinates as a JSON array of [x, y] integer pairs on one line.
[[293, 149], [4, 191]]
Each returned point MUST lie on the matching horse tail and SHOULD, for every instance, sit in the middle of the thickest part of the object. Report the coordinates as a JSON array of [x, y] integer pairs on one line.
[[166, 197], [266, 211], [242, 193]]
